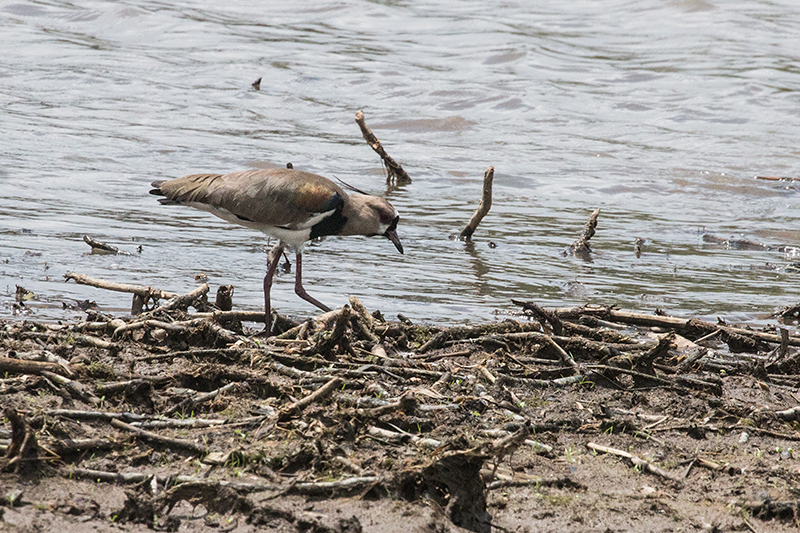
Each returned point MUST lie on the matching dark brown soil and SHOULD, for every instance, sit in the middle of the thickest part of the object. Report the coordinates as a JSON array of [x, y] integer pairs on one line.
[[182, 423]]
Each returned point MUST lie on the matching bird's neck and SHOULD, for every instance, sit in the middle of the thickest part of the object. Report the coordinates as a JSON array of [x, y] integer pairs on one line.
[[357, 214]]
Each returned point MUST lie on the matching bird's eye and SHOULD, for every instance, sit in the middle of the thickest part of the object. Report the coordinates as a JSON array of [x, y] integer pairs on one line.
[[384, 218]]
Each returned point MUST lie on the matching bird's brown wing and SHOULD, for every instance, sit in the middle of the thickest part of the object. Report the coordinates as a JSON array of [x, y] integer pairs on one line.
[[276, 197]]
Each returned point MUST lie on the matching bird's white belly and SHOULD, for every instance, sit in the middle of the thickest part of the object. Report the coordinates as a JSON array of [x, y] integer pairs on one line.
[[294, 238]]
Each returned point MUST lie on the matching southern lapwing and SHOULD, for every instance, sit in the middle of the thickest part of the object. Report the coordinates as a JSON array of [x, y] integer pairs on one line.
[[287, 204]]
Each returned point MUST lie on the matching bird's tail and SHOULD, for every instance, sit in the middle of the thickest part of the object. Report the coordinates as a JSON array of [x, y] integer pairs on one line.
[[156, 190]]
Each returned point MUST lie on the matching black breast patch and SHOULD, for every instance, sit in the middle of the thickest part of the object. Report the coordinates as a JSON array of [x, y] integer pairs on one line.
[[333, 223]]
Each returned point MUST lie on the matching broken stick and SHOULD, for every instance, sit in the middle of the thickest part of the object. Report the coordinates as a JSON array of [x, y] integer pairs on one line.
[[21, 366], [102, 248], [195, 298], [141, 294], [23, 451], [483, 208], [319, 394], [164, 441], [393, 169], [636, 461], [581, 246]]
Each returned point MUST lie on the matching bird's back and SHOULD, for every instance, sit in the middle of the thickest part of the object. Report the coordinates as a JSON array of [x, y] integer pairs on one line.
[[280, 198]]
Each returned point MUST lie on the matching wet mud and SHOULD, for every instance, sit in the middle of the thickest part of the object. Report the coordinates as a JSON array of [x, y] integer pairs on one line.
[[580, 419]]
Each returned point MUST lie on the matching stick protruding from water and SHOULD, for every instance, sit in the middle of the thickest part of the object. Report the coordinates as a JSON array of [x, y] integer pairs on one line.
[[394, 172], [581, 247], [483, 208]]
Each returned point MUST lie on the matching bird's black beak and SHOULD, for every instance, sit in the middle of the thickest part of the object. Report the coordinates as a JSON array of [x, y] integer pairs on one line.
[[391, 234]]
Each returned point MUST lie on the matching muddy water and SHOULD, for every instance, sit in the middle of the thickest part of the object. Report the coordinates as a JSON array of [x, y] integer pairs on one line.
[[661, 113]]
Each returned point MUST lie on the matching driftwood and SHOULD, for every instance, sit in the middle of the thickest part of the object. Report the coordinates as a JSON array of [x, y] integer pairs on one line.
[[23, 451], [189, 403], [158, 439], [183, 301], [637, 247], [364, 321], [636, 461], [403, 436], [224, 299], [736, 244], [66, 336], [581, 247], [22, 366], [141, 290], [315, 396], [789, 312], [394, 172], [689, 327], [352, 484], [318, 403], [483, 208], [141, 294], [74, 388], [103, 248]]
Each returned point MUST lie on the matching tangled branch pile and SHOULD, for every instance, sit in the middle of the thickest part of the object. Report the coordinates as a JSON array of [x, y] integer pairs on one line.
[[187, 410]]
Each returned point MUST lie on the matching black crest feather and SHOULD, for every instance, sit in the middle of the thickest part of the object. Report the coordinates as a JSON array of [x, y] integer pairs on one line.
[[348, 186]]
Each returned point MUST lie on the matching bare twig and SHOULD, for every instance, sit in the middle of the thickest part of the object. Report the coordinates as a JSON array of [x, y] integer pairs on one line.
[[154, 437], [100, 247], [317, 395], [141, 290], [185, 300], [199, 398], [141, 293], [688, 327], [20, 366], [364, 320], [393, 436], [75, 388], [84, 340], [581, 246], [329, 341], [483, 208], [394, 171], [23, 451], [562, 354], [636, 461]]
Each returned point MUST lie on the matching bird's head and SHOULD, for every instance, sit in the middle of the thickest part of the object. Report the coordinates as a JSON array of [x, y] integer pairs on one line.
[[373, 216]]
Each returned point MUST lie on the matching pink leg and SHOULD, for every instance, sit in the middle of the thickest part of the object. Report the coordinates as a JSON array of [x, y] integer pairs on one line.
[[271, 268], [298, 285]]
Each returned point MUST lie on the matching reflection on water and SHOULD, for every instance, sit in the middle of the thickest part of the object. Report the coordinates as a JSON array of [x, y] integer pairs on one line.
[[658, 113]]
